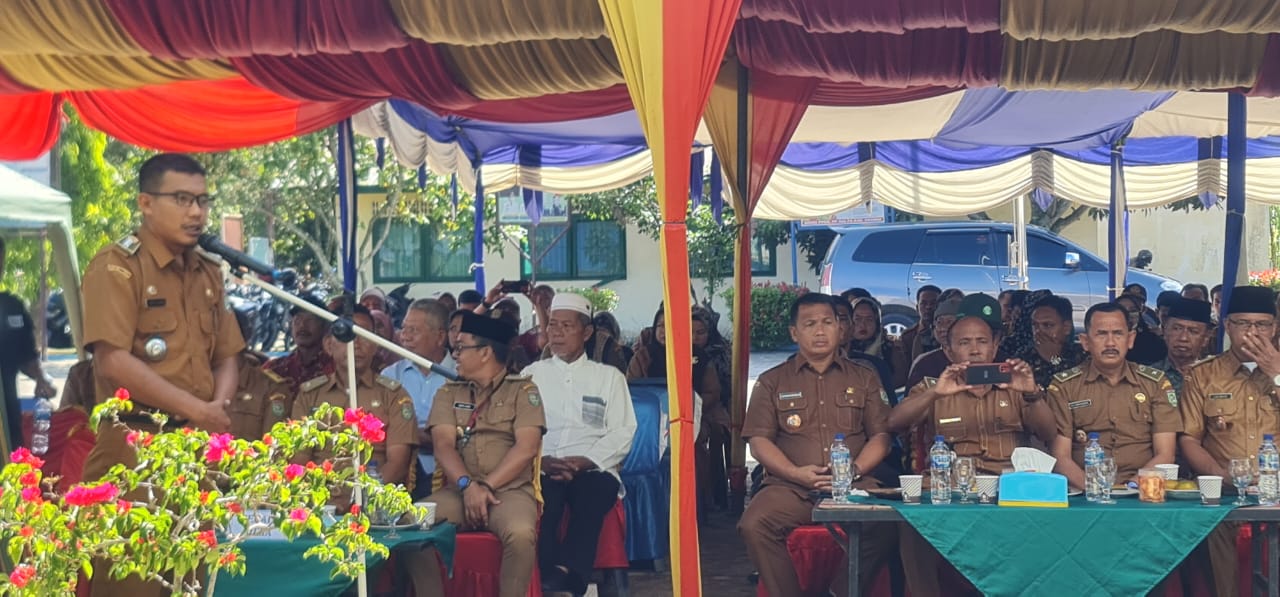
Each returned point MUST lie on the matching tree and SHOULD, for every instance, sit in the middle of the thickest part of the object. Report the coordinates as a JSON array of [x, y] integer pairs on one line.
[[711, 243]]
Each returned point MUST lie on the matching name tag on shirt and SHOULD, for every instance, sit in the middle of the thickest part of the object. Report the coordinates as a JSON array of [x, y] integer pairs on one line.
[[155, 302], [791, 396], [464, 406], [15, 322], [1079, 404], [1219, 396], [949, 421]]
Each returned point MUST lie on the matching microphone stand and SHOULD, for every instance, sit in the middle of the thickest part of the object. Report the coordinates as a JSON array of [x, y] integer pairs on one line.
[[343, 333]]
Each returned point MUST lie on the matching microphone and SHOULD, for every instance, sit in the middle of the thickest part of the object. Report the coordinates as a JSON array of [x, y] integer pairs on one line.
[[237, 259]]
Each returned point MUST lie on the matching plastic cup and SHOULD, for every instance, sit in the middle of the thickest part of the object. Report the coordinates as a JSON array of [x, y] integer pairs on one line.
[[988, 485], [1210, 489], [1151, 485], [429, 518], [911, 487], [1170, 471]]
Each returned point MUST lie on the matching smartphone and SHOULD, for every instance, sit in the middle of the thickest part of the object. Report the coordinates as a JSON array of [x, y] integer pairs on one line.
[[516, 287], [988, 374]]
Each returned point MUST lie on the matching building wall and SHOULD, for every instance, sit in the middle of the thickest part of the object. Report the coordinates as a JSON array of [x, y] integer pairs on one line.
[[639, 293]]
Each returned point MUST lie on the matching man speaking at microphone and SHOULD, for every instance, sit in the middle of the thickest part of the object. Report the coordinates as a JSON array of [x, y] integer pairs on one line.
[[157, 325]]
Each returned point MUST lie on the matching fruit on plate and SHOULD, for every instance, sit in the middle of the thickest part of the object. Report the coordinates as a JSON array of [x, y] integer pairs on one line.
[[1171, 484], [1186, 485]]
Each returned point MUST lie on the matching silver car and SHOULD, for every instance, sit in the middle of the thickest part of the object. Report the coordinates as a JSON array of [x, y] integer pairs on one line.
[[893, 261]]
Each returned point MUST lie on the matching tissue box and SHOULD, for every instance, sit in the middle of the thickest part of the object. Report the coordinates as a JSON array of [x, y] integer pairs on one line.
[[1033, 490]]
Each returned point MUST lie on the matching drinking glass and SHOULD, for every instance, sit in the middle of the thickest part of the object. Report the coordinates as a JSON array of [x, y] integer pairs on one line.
[[1242, 477], [1107, 478], [965, 478]]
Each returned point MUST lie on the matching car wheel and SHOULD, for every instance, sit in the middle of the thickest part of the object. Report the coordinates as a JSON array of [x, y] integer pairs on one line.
[[897, 322]]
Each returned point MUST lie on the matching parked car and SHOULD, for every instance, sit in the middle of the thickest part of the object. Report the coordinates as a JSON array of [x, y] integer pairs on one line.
[[893, 261]]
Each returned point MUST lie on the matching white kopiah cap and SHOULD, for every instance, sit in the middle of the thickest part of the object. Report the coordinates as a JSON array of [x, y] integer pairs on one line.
[[571, 302]]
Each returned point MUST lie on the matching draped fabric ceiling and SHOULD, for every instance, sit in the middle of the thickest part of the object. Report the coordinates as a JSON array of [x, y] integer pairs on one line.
[[205, 75]]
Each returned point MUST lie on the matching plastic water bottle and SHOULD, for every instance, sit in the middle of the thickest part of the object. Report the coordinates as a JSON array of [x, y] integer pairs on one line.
[[372, 470], [940, 471], [1268, 472], [1093, 455], [40, 428], [841, 468]]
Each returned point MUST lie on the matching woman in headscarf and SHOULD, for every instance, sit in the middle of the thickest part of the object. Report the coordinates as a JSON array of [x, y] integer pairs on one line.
[[382, 326], [650, 361], [1022, 338], [866, 335]]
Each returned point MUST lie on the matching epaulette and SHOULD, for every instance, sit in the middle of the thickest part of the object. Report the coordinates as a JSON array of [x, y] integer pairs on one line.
[[210, 257], [514, 377], [1204, 360], [388, 382], [129, 244], [1068, 374], [1150, 373], [314, 383], [273, 376]]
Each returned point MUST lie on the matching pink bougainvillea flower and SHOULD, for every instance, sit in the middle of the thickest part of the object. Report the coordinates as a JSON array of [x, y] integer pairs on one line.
[[370, 428], [31, 494], [234, 508], [311, 465], [227, 559], [22, 575], [353, 416], [357, 527], [355, 509], [219, 448], [299, 515], [293, 472], [27, 531], [267, 440], [327, 467], [24, 456], [204, 498], [86, 495], [122, 393], [29, 478], [123, 506], [208, 538]]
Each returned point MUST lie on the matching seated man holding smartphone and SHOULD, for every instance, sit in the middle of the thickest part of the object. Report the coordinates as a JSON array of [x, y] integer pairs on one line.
[[981, 408]]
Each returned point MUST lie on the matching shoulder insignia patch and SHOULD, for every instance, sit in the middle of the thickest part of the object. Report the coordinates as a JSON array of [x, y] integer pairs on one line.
[[1068, 374], [514, 377], [535, 398], [129, 244], [314, 383], [273, 376], [389, 383], [1205, 360], [1150, 373], [1172, 397], [406, 410]]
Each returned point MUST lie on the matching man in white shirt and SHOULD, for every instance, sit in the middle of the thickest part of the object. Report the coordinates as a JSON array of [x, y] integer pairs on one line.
[[590, 423], [424, 332]]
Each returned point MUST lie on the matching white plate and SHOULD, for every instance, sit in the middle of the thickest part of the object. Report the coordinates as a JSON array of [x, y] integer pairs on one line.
[[1182, 494], [1075, 493], [1123, 492]]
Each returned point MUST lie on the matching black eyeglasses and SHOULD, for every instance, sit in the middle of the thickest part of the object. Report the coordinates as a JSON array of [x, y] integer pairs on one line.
[[185, 199], [459, 348]]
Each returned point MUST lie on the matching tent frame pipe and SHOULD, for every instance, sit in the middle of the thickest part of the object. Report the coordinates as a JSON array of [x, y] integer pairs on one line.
[[741, 355], [1233, 255], [1119, 206]]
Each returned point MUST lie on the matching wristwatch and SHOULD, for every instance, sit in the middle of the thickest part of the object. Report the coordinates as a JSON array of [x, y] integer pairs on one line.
[[1276, 380], [856, 474], [463, 483]]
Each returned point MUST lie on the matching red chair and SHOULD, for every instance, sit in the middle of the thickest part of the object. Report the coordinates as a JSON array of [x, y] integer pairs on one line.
[[817, 557], [477, 560], [70, 441]]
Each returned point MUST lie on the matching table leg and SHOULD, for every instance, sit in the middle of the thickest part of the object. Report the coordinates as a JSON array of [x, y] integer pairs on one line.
[[1273, 559], [852, 549]]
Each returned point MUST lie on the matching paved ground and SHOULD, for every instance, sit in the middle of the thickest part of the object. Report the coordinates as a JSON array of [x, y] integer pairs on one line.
[[725, 568]]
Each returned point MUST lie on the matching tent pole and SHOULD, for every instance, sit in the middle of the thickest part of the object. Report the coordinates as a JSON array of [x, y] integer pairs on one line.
[[742, 304], [1115, 223], [477, 234], [1233, 258], [1020, 241]]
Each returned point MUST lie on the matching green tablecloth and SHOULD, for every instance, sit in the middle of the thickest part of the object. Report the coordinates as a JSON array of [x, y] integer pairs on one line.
[[276, 567], [1086, 549]]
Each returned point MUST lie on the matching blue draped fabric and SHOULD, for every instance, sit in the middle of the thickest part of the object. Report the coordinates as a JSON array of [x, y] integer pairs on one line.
[[644, 476], [717, 186], [697, 160]]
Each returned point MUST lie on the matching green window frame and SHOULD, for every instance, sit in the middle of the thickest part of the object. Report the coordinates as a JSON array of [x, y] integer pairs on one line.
[[582, 250], [415, 252]]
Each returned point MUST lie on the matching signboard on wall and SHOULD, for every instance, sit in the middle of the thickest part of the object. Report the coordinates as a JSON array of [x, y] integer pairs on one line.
[[511, 209], [871, 212]]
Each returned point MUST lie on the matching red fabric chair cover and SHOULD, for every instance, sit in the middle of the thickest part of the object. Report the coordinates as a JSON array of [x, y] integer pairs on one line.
[[817, 557], [70, 441], [477, 560]]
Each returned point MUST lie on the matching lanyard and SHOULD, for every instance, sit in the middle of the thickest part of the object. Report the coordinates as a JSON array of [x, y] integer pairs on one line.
[[464, 433]]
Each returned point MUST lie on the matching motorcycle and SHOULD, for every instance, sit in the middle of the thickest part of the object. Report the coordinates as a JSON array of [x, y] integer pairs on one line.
[[57, 324]]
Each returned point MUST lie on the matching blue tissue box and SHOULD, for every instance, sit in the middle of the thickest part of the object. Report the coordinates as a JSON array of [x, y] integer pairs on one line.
[[1033, 490]]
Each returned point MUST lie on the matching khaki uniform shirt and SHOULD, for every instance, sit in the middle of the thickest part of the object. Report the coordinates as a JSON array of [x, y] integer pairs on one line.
[[508, 404], [801, 410], [263, 398], [1125, 416], [986, 428], [376, 394], [136, 291], [1228, 408]]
